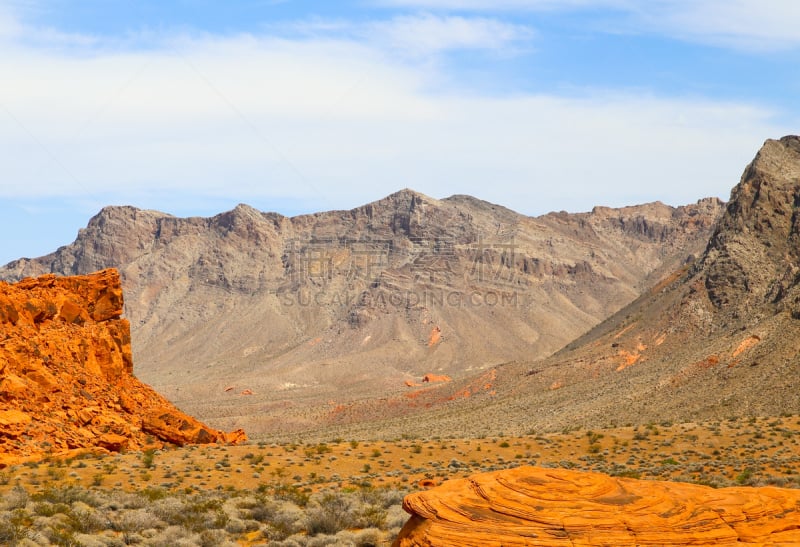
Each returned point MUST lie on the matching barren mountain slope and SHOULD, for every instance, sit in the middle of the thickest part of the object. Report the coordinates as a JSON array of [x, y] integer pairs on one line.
[[318, 310], [716, 339]]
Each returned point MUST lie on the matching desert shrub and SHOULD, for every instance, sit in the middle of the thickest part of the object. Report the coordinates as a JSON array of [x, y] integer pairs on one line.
[[261, 512], [16, 499], [147, 458], [195, 513], [62, 535], [235, 526], [371, 516], [283, 519], [67, 495], [215, 538], [330, 513], [154, 493], [385, 497], [173, 536], [168, 509], [396, 517], [45, 509], [83, 519], [14, 526], [86, 540], [135, 520], [370, 537], [291, 493], [746, 477], [325, 540]]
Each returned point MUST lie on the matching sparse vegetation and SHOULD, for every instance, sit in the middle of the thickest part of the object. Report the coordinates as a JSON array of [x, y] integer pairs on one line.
[[350, 492]]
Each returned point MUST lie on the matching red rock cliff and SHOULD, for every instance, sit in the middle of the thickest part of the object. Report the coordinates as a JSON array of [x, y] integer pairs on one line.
[[66, 374], [558, 507]]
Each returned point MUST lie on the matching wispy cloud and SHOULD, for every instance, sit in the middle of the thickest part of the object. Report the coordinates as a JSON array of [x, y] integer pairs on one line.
[[415, 34], [742, 24], [273, 118], [334, 113], [428, 33], [10, 26]]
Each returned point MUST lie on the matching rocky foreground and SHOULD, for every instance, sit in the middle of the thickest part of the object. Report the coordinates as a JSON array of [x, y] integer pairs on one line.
[[66, 374], [559, 507]]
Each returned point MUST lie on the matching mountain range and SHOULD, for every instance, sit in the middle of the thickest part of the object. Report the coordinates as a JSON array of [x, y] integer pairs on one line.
[[718, 338], [282, 325]]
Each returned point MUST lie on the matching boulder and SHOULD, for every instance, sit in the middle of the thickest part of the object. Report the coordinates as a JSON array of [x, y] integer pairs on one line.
[[560, 507]]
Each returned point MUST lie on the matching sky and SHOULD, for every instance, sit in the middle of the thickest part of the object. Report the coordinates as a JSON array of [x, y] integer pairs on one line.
[[193, 106]]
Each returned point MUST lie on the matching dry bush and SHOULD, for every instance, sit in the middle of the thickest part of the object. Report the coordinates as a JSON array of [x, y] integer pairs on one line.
[[330, 513], [14, 526], [136, 520], [16, 499]]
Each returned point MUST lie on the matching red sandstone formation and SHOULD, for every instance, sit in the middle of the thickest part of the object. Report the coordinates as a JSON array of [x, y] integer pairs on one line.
[[66, 374], [557, 507], [431, 378], [435, 336]]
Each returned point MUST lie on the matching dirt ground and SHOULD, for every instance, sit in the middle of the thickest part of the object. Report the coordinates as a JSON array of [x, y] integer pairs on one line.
[[753, 451]]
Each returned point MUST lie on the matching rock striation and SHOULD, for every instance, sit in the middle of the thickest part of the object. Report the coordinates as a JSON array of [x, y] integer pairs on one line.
[[66, 374], [559, 507]]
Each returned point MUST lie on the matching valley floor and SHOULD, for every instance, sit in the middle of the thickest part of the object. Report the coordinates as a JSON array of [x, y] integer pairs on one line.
[[266, 493]]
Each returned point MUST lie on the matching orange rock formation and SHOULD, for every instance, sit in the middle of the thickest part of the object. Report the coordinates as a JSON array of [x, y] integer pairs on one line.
[[435, 336], [557, 507], [432, 378], [66, 374]]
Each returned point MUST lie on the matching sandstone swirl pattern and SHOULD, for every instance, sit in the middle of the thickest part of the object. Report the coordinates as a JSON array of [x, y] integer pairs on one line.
[[557, 507]]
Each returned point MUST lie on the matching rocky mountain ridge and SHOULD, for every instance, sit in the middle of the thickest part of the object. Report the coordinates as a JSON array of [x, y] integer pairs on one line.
[[66, 375], [717, 338], [322, 309]]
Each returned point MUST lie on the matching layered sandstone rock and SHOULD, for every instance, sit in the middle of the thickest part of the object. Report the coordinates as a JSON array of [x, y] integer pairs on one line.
[[66, 374], [558, 507]]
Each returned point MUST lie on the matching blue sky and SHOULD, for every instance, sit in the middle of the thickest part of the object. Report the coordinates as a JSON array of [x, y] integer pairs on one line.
[[193, 106]]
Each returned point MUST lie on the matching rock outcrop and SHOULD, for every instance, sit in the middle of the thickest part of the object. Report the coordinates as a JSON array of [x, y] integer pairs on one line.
[[558, 507], [753, 257], [434, 378], [66, 374]]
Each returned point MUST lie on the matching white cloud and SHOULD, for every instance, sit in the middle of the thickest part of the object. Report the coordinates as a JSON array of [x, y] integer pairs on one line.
[[10, 27], [343, 121], [428, 33], [260, 119], [742, 24], [417, 34], [745, 24]]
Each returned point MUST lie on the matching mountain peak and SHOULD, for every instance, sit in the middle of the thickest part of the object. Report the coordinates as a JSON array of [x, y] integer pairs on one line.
[[405, 196], [753, 253], [127, 211]]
